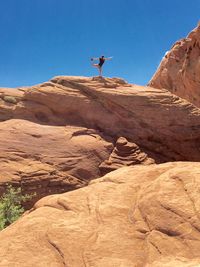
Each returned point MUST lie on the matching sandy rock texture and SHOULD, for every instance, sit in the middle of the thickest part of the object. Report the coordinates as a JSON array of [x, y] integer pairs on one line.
[[139, 216], [59, 135], [163, 125], [49, 159], [124, 154], [179, 68]]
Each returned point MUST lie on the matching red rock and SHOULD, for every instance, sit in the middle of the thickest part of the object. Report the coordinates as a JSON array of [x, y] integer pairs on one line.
[[179, 69], [124, 154], [143, 115], [49, 159], [135, 216], [55, 136]]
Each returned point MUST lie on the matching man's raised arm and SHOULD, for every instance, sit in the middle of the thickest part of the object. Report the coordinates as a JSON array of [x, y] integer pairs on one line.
[[108, 58]]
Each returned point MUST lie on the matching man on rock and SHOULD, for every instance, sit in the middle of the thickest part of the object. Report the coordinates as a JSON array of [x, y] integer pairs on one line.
[[102, 59]]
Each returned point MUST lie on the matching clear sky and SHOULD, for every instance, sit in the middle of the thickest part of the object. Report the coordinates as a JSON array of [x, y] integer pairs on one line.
[[44, 38]]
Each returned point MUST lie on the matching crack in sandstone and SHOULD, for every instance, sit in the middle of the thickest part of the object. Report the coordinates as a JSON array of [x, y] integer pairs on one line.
[[88, 205], [57, 251], [84, 259], [150, 242], [65, 205], [144, 219], [190, 198], [184, 219], [132, 210], [174, 233], [169, 233], [131, 214], [111, 180], [98, 214], [90, 243], [171, 210]]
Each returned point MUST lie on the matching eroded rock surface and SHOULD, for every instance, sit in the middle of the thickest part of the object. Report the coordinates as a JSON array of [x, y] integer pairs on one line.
[[49, 159], [54, 136], [179, 69], [159, 122], [124, 154], [138, 216]]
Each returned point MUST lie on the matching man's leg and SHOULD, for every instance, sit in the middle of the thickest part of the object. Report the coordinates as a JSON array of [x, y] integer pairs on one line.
[[100, 71]]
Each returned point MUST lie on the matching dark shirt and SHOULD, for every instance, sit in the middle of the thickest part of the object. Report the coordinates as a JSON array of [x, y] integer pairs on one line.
[[101, 61]]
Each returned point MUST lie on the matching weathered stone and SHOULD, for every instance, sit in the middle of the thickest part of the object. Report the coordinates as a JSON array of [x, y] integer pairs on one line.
[[124, 154], [179, 68], [135, 216], [67, 127]]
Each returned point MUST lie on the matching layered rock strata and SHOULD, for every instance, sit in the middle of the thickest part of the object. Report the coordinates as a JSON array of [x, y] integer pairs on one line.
[[124, 154], [179, 68], [54, 136]]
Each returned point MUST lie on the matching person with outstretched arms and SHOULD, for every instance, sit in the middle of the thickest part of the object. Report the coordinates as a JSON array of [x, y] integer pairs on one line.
[[102, 59]]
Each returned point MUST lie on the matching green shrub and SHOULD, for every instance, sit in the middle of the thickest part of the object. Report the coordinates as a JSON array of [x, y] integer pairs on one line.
[[11, 205], [10, 99]]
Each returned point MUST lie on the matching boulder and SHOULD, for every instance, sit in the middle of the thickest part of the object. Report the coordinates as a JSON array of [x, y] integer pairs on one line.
[[134, 216], [124, 154]]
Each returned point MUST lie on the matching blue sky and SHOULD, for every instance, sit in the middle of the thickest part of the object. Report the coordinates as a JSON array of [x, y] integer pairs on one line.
[[44, 38]]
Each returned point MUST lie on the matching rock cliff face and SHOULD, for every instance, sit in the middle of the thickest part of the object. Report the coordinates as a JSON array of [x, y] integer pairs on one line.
[[59, 135], [179, 69], [142, 216]]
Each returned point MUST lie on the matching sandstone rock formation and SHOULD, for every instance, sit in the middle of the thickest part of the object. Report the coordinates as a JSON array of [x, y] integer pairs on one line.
[[49, 159], [179, 69], [155, 120], [124, 154], [56, 136], [139, 216]]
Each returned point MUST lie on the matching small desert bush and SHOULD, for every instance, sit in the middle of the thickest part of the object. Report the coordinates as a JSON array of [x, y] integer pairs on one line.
[[10, 99], [11, 205]]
